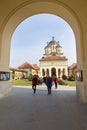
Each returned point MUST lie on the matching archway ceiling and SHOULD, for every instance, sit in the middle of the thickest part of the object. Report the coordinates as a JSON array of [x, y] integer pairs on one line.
[[7, 6], [13, 12]]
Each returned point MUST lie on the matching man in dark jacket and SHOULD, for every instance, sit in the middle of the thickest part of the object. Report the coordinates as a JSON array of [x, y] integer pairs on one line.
[[34, 83], [49, 84]]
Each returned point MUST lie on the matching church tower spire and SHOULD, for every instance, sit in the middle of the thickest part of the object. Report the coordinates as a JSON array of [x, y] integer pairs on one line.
[[53, 38]]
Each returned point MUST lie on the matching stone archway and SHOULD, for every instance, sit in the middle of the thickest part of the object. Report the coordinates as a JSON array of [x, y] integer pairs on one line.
[[30, 8]]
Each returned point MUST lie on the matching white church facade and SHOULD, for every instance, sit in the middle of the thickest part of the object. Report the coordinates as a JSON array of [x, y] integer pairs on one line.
[[53, 63]]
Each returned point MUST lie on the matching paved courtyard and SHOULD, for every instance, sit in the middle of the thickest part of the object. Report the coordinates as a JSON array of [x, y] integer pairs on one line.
[[62, 110]]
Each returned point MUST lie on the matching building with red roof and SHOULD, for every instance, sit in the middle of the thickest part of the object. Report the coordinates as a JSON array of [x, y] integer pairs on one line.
[[72, 69], [24, 70], [53, 62], [17, 73], [31, 69]]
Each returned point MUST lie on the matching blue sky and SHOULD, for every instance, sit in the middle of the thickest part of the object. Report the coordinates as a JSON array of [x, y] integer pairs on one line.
[[31, 36]]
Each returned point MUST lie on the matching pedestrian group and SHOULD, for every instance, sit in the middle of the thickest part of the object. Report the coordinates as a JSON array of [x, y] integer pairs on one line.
[[49, 81]]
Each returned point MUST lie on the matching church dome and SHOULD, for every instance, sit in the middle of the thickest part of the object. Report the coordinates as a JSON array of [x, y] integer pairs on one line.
[[53, 42]]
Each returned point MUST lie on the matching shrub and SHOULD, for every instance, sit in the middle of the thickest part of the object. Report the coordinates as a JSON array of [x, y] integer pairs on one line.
[[61, 82], [64, 77], [71, 78]]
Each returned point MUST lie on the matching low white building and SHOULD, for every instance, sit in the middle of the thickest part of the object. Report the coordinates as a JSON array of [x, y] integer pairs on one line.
[[53, 63]]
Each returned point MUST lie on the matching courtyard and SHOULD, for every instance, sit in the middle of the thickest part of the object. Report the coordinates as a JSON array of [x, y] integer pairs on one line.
[[62, 110]]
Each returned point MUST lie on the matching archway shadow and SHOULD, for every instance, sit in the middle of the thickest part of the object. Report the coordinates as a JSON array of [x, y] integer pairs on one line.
[[25, 94], [63, 93], [37, 111]]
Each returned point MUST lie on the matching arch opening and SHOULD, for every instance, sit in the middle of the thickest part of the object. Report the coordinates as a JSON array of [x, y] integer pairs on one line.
[[56, 8], [37, 37]]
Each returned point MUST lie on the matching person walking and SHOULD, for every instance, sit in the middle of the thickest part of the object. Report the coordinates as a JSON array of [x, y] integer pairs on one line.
[[34, 83], [56, 82], [49, 84]]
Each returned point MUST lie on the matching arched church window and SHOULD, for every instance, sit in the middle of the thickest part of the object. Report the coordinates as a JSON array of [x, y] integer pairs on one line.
[[43, 72], [48, 72], [63, 71], [59, 72]]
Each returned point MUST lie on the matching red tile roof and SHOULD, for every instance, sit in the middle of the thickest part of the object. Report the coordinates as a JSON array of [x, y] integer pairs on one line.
[[36, 67], [73, 66], [28, 65], [53, 58], [25, 65]]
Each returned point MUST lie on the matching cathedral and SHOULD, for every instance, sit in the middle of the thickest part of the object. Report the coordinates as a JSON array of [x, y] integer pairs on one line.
[[53, 63]]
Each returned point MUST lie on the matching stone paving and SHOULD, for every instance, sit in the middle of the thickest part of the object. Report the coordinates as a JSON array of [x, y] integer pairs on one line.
[[62, 110]]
